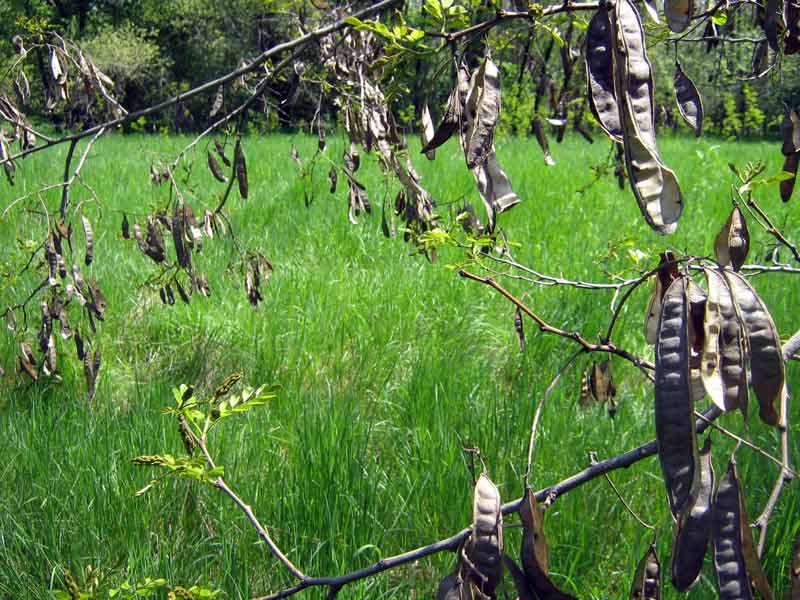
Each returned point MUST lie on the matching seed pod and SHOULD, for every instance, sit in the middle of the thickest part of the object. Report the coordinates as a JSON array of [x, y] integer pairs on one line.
[[241, 168], [675, 433], [599, 58], [126, 227], [647, 578], [761, 336], [448, 126], [723, 368], [485, 544], [679, 13], [601, 382], [585, 389], [654, 185], [790, 131], [733, 241], [5, 157], [215, 169], [736, 565], [28, 361], [653, 313], [534, 553], [541, 138], [89, 235], [426, 131], [218, 100], [221, 151], [494, 188], [690, 104], [524, 591], [333, 177], [483, 110], [520, 329], [694, 525], [697, 308], [787, 185]]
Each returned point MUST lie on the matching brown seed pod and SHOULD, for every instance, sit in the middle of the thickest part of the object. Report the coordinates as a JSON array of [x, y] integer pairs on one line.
[[215, 169], [520, 329], [675, 433], [735, 561], [333, 178], [218, 100], [494, 188], [541, 139], [485, 545], [534, 552], [599, 58], [679, 14], [5, 157], [697, 308], [482, 112], [723, 358], [787, 185], [585, 394], [790, 131], [89, 235], [646, 583], [653, 312], [28, 361], [690, 104], [761, 337], [601, 382], [241, 169], [454, 587], [426, 131], [693, 529], [654, 185], [126, 227], [449, 125], [221, 151], [733, 241]]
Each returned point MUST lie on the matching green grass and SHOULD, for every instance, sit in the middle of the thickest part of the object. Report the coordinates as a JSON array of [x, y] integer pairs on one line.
[[389, 365]]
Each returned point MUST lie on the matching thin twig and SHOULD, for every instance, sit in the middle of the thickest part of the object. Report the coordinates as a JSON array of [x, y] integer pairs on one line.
[[593, 460]]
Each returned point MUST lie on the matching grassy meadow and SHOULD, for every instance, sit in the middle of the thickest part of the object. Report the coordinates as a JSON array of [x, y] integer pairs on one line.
[[389, 366]]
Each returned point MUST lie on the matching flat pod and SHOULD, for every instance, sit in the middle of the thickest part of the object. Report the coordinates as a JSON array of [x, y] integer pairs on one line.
[[697, 308], [653, 312], [693, 529], [494, 188], [761, 335], [241, 169], [483, 108], [89, 235], [787, 185], [733, 241], [790, 131], [679, 13], [599, 58], [426, 131], [675, 433], [690, 103], [485, 545], [654, 185], [647, 578], [448, 126]]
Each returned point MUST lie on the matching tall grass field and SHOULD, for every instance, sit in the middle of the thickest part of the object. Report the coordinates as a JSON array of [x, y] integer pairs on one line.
[[389, 365]]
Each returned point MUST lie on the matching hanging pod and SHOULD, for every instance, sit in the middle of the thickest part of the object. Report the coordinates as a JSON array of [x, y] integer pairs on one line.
[[690, 104], [599, 59]]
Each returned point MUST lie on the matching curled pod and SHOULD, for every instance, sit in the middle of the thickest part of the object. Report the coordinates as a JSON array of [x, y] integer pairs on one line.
[[599, 57], [494, 188], [647, 578], [426, 131], [790, 131], [761, 337], [693, 529], [654, 185], [723, 359], [729, 527], [733, 241], [679, 14], [787, 185], [483, 110], [485, 545], [690, 104], [448, 126], [675, 433]]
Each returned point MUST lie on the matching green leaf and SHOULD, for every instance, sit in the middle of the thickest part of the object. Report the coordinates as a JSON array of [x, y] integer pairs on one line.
[[354, 22], [720, 18]]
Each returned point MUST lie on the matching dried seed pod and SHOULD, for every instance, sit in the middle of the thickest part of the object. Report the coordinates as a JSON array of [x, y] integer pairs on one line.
[[599, 58], [485, 545], [5, 157], [541, 139], [215, 169], [483, 110], [675, 433], [524, 591], [585, 394], [679, 14], [218, 100], [520, 329], [646, 583], [723, 368], [221, 151], [693, 529], [28, 361], [690, 104], [733, 579], [426, 131], [89, 235], [601, 382], [454, 587], [697, 308], [241, 169], [733, 241], [787, 185], [654, 185], [153, 246], [449, 125], [494, 188], [126, 227], [761, 336], [790, 131], [534, 552], [653, 313]]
